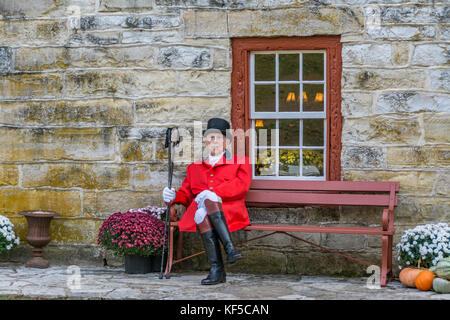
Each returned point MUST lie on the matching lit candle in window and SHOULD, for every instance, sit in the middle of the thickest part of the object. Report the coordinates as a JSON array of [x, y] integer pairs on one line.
[[259, 123], [290, 97], [305, 97], [319, 97]]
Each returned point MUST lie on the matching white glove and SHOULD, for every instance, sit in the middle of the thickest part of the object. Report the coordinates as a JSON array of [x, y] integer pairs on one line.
[[169, 194], [200, 215], [206, 194]]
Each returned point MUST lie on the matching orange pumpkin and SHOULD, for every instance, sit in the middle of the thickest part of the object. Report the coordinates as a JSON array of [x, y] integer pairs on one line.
[[424, 280], [408, 275]]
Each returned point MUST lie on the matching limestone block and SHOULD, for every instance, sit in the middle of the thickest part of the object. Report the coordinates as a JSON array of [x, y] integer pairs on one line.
[[181, 57], [181, 110], [356, 104], [154, 177], [94, 38], [119, 5], [101, 111], [20, 32], [14, 86], [437, 127], [444, 32], [442, 185], [401, 53], [205, 24], [348, 242], [75, 230], [418, 156], [148, 36], [32, 144], [98, 57], [118, 82], [303, 21], [431, 54], [68, 175], [381, 129], [416, 14], [45, 8], [90, 23], [419, 209], [204, 82], [367, 54], [379, 79], [411, 182], [6, 63], [402, 32], [66, 203], [38, 59], [104, 203], [9, 174], [22, 9], [412, 101], [363, 157], [440, 80]]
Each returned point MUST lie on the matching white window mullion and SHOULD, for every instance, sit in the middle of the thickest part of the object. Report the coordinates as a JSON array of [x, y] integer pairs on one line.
[[300, 76], [277, 107], [277, 148], [300, 154]]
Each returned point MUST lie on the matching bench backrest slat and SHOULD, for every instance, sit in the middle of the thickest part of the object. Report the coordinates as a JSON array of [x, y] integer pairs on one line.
[[301, 198], [362, 186]]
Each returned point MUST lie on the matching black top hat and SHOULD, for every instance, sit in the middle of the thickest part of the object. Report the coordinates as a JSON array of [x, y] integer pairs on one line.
[[218, 124]]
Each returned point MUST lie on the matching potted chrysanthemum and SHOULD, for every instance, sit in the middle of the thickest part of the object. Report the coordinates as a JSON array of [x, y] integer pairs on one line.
[[137, 234], [8, 239], [423, 246]]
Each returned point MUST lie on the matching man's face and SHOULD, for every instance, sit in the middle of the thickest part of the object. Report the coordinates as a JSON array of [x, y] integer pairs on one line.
[[216, 143]]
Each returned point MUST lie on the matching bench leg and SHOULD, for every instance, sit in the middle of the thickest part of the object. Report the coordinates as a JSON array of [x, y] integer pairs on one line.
[[390, 242], [386, 260], [180, 251], [170, 257]]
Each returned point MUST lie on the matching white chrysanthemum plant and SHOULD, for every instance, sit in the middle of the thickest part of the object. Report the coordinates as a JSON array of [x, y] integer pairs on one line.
[[423, 246], [153, 210], [8, 239]]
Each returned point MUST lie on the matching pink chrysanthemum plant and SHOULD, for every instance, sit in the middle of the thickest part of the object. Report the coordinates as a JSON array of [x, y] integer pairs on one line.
[[135, 232]]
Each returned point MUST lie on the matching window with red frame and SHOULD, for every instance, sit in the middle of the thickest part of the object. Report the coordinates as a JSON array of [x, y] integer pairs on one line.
[[287, 91]]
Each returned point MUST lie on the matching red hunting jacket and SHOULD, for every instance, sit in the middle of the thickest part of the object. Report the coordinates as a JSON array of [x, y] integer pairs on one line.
[[230, 179]]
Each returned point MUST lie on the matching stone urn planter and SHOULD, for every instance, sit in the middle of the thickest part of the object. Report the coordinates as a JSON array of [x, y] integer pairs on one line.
[[38, 234]]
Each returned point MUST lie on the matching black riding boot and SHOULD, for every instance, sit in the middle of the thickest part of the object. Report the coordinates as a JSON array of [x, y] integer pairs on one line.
[[212, 248], [220, 225]]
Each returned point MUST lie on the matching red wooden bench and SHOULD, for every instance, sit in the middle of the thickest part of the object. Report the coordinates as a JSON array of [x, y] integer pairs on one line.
[[317, 193]]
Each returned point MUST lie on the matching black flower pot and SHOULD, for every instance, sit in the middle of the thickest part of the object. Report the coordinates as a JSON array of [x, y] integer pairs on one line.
[[135, 264]]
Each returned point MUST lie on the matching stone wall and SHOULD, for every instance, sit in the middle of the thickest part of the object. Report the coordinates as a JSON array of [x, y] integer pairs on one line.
[[88, 88]]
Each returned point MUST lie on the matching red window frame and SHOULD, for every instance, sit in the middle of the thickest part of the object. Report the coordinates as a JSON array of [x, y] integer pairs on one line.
[[240, 90]]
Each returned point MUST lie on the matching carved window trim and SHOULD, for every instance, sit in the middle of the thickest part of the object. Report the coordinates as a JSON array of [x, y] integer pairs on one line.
[[240, 88]]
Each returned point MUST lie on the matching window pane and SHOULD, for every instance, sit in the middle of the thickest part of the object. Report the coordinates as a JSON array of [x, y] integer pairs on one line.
[[313, 97], [313, 66], [289, 162], [289, 67], [289, 132], [288, 97], [313, 132], [265, 162], [312, 162], [265, 98], [265, 132], [264, 67]]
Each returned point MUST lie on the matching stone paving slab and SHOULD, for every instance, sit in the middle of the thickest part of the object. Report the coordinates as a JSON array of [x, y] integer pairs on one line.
[[60, 282]]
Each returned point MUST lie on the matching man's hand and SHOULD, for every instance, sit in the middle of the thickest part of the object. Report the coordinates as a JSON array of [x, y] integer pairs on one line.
[[169, 194]]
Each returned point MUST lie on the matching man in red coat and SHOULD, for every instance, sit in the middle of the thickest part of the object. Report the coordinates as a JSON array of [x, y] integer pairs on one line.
[[214, 193]]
